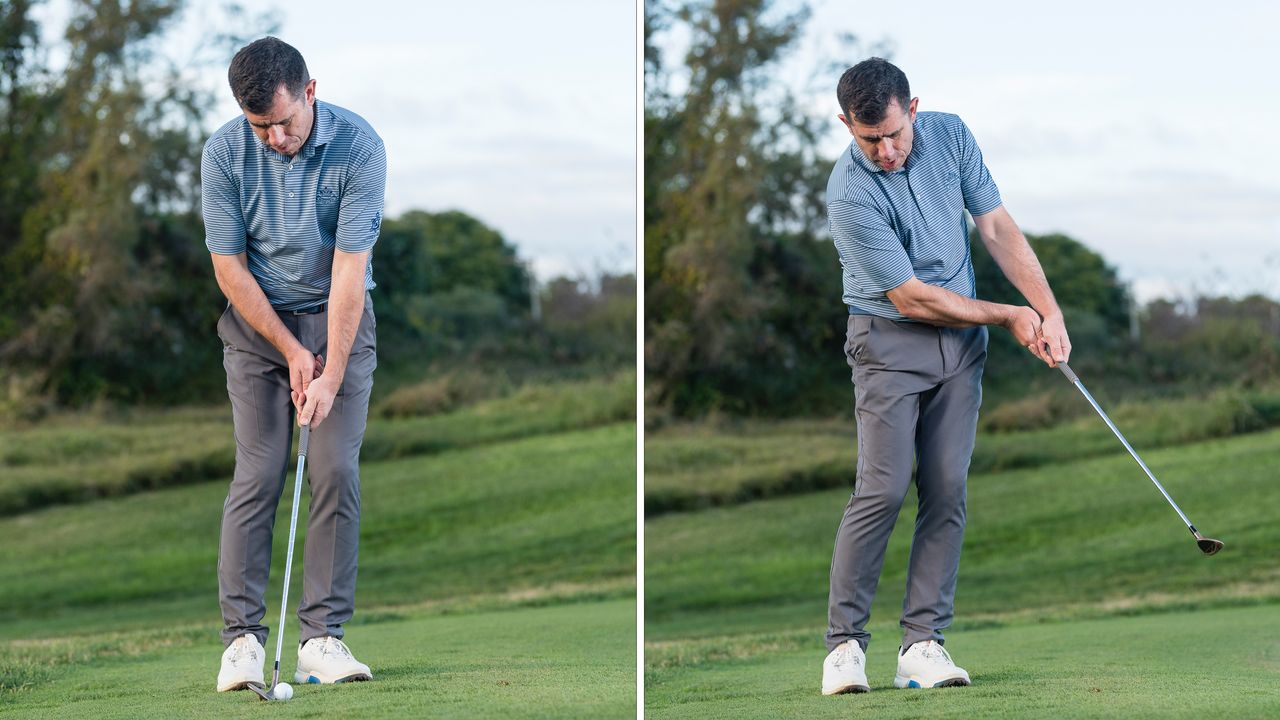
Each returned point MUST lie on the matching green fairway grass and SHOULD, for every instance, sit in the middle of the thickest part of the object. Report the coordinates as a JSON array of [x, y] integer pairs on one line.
[[735, 597], [567, 661], [496, 579], [1207, 664]]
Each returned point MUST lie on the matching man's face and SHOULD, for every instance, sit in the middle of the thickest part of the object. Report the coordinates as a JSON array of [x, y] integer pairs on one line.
[[288, 124], [889, 143]]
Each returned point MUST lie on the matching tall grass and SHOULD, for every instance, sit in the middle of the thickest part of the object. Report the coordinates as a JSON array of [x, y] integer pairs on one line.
[[74, 460]]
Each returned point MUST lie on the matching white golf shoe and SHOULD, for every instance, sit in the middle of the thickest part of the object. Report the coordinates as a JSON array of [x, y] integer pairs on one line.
[[241, 664], [927, 665], [845, 670], [326, 660]]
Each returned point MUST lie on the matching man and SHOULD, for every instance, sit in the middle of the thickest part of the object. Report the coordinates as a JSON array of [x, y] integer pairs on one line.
[[292, 202], [916, 341]]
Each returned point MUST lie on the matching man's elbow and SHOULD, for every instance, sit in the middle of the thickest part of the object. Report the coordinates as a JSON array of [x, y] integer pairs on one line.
[[910, 304]]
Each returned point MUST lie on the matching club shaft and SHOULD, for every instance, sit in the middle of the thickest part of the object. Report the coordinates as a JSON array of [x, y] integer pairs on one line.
[[1080, 386], [288, 558]]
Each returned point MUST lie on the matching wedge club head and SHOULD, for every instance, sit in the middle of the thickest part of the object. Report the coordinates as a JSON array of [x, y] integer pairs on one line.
[[261, 692]]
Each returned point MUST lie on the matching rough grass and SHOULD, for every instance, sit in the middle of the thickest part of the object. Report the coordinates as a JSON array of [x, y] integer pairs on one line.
[[71, 460], [698, 465]]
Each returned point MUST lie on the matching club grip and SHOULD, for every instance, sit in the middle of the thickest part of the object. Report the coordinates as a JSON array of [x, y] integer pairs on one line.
[[1066, 370], [302, 440]]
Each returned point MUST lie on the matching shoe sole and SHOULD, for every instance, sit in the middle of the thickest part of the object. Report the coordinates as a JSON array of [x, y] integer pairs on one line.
[[847, 689], [313, 679], [901, 682], [238, 685]]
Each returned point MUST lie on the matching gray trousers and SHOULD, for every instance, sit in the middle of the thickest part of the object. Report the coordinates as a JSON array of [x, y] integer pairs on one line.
[[263, 414], [917, 392]]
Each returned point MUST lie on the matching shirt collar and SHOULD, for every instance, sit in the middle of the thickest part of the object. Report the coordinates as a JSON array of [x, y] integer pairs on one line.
[[321, 129]]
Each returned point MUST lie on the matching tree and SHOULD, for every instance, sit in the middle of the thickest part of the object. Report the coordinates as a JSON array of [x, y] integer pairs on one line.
[[732, 210], [97, 230]]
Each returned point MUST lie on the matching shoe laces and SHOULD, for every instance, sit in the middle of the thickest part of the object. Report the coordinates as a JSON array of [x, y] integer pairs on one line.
[[334, 646], [242, 648], [934, 653], [846, 655]]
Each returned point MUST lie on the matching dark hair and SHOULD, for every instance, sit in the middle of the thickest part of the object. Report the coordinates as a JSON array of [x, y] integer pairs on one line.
[[260, 68], [866, 89]]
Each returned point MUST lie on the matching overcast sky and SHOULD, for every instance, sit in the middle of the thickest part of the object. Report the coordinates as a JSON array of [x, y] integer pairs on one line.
[[1148, 131], [521, 114]]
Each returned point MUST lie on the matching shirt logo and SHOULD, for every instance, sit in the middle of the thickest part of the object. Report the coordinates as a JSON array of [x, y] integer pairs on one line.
[[326, 196], [375, 223]]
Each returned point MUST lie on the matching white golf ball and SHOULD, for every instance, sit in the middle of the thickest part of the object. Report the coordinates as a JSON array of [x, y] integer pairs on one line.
[[283, 691]]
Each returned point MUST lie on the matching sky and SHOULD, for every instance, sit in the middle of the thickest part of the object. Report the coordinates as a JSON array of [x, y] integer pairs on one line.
[[1148, 131], [520, 114]]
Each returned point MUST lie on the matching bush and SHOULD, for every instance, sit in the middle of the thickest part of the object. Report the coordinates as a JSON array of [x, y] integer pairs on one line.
[[443, 394]]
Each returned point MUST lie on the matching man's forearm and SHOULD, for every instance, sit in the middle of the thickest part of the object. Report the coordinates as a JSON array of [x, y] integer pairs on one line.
[[346, 306], [240, 287], [1011, 251], [939, 306]]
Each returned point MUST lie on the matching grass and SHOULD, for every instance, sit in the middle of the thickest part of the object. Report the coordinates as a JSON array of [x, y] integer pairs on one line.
[[1044, 540], [497, 574], [78, 459], [1208, 664], [567, 661], [523, 515], [692, 466], [1075, 575]]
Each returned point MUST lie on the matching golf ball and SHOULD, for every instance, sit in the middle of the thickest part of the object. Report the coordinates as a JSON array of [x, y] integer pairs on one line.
[[283, 691]]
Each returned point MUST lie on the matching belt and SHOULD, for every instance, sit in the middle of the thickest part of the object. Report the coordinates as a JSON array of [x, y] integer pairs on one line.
[[310, 311]]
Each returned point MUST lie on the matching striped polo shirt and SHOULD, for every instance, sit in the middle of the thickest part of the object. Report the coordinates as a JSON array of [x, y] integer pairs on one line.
[[889, 226], [288, 214]]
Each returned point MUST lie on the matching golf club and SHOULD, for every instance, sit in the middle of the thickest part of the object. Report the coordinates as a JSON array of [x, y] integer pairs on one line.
[[271, 694], [1208, 546]]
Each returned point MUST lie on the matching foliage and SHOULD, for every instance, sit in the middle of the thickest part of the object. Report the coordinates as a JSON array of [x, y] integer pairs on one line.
[[742, 284], [109, 293], [732, 199]]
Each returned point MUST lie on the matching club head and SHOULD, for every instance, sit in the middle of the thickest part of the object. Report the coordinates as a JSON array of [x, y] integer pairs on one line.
[[1208, 546], [261, 692]]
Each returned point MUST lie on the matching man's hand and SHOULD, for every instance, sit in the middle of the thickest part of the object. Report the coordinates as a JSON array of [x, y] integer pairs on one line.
[[1054, 340], [319, 401], [1024, 324], [303, 369]]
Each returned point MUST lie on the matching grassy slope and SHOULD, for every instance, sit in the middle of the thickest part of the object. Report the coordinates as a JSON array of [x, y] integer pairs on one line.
[[1090, 539], [540, 521], [75, 459], [694, 466]]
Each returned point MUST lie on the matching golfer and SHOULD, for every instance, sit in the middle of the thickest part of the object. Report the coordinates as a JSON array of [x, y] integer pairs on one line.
[[292, 199], [917, 341]]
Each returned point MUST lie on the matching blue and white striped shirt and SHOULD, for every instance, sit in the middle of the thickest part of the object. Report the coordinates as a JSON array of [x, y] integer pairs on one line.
[[288, 214], [890, 226]]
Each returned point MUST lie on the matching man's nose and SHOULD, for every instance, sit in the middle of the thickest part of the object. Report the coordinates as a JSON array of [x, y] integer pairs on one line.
[[885, 148], [276, 135]]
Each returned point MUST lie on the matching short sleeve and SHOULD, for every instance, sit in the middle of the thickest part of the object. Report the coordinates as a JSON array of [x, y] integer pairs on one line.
[[360, 214], [868, 247], [981, 195], [220, 206]]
